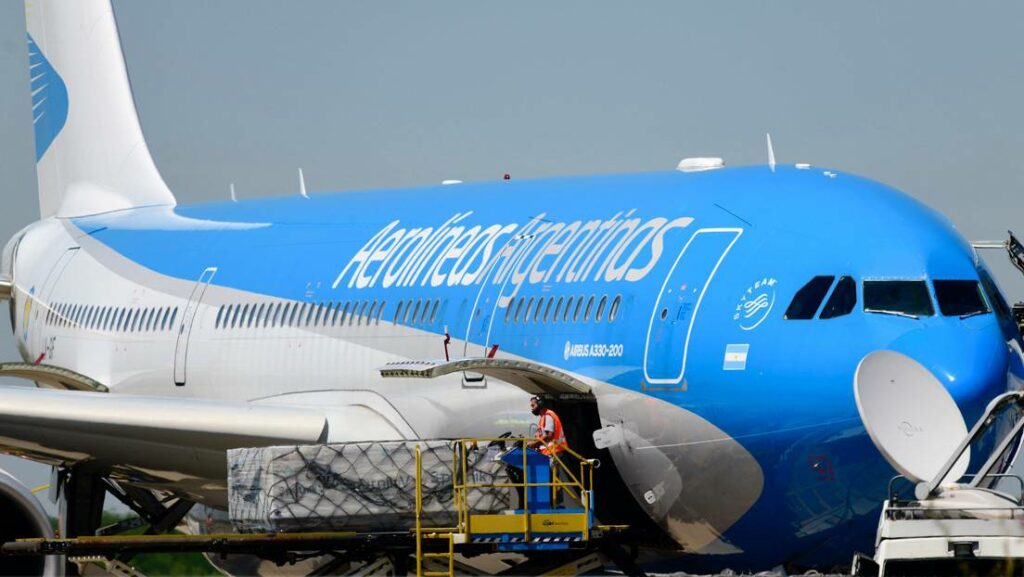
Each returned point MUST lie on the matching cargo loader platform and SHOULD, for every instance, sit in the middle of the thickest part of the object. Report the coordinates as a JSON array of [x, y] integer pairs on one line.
[[550, 529]]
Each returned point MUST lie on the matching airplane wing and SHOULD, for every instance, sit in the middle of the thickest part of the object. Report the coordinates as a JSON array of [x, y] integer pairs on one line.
[[147, 439]]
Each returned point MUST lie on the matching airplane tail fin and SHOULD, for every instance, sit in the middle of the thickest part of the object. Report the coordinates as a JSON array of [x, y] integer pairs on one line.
[[91, 156]]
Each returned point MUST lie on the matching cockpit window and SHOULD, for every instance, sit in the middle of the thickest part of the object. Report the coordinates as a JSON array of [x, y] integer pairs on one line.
[[843, 299], [907, 298], [808, 298], [960, 298], [994, 296]]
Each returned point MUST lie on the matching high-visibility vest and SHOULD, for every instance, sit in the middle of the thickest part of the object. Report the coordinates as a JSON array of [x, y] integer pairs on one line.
[[558, 442]]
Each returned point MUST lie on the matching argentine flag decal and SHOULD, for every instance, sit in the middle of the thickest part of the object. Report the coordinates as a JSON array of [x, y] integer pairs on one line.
[[49, 99], [735, 357]]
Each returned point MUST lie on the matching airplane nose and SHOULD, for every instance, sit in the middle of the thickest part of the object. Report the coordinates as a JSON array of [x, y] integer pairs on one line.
[[971, 364]]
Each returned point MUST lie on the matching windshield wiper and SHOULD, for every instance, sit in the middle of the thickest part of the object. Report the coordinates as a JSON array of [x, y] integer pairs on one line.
[[894, 313], [974, 314]]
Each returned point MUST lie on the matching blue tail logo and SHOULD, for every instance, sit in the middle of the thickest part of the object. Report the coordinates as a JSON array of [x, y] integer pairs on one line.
[[49, 99]]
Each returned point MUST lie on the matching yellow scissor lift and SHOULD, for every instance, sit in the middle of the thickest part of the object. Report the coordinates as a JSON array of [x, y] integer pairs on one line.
[[540, 523]]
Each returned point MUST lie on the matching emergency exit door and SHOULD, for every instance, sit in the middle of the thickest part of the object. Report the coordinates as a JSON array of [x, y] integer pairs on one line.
[[185, 328], [670, 332]]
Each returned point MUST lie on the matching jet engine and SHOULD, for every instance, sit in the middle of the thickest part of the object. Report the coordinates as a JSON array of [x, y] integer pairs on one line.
[[22, 516]]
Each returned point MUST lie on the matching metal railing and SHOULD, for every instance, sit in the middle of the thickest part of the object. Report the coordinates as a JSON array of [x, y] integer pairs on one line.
[[571, 482]]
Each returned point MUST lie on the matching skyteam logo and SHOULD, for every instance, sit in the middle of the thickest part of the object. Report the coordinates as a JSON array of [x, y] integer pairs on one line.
[[755, 304]]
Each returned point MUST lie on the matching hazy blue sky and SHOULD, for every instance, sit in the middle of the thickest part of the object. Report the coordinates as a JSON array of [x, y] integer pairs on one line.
[[925, 96]]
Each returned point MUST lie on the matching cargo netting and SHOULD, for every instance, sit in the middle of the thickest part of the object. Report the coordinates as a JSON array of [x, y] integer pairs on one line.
[[356, 486]]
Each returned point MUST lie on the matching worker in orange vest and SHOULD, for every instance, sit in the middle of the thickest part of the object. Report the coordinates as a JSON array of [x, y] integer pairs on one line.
[[549, 439]]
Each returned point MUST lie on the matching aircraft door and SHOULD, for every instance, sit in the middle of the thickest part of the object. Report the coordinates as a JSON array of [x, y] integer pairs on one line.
[[185, 328], [42, 299], [672, 320]]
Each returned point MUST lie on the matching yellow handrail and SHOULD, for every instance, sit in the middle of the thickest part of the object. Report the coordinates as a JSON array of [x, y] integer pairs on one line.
[[419, 512], [583, 482], [578, 487]]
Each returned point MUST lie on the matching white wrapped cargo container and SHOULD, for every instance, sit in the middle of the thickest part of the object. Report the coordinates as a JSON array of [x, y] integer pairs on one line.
[[354, 486]]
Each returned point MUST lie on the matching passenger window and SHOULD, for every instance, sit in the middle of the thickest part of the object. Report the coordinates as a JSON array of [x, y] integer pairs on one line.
[[372, 312], [558, 309], [547, 309], [565, 315], [380, 311], [174, 315], [160, 323], [576, 313], [843, 299], [960, 298], [398, 310], [508, 310], [235, 314], [425, 312], [808, 298], [412, 311], [147, 321], [590, 306], [362, 309], [526, 312], [600, 309], [614, 311], [311, 310], [328, 311], [907, 298], [220, 315], [433, 312], [319, 313], [519, 308]]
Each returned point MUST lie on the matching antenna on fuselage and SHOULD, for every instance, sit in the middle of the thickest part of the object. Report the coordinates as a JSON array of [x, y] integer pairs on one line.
[[302, 185], [771, 152], [233, 197]]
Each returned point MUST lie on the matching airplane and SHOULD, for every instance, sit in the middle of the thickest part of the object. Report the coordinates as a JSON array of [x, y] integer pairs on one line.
[[702, 325]]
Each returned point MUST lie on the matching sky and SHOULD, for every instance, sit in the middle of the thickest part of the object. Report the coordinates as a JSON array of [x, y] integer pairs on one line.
[[923, 96]]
